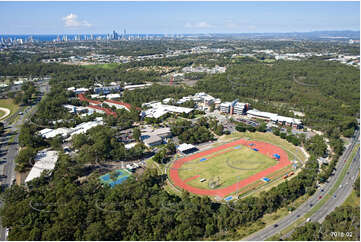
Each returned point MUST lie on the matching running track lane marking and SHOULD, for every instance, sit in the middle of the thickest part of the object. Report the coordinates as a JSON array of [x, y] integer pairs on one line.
[[191, 178], [263, 147]]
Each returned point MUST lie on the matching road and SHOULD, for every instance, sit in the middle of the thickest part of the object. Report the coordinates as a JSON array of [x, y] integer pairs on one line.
[[328, 207], [11, 150]]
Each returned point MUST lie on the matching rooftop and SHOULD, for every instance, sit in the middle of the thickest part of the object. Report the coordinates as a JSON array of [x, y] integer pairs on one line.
[[44, 160]]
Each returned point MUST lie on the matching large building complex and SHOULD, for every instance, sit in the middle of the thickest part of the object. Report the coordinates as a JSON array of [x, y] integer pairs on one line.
[[294, 122], [234, 107]]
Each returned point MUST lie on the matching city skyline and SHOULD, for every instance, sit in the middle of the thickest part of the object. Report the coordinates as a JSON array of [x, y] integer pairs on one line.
[[176, 17]]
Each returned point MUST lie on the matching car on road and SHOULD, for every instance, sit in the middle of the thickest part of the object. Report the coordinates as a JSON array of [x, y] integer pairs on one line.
[[334, 196], [275, 226], [308, 220], [322, 190], [319, 197], [311, 204], [21, 113]]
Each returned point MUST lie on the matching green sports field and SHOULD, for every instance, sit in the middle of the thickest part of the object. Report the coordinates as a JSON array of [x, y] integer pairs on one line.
[[230, 165], [293, 152]]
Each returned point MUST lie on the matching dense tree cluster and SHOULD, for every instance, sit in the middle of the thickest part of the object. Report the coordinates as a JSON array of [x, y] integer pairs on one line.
[[308, 86], [193, 133], [136, 210], [242, 127], [155, 92], [100, 144], [316, 146]]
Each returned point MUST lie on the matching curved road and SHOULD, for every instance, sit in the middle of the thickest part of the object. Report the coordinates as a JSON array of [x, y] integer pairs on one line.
[[341, 195], [6, 111]]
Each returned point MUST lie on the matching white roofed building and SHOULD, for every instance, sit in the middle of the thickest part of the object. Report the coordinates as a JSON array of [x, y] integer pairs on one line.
[[51, 133], [186, 148], [153, 141], [254, 113], [158, 109], [113, 96], [167, 100], [133, 87], [44, 160], [275, 118], [148, 131]]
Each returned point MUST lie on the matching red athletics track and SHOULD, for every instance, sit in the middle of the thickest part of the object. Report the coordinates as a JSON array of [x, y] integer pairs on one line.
[[264, 148]]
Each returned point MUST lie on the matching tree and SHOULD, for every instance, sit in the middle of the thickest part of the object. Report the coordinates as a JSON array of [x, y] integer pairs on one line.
[[25, 158], [251, 128], [171, 148], [79, 140], [241, 128], [212, 107], [159, 156], [19, 97], [136, 134], [356, 187], [276, 131], [219, 129], [56, 142], [262, 127]]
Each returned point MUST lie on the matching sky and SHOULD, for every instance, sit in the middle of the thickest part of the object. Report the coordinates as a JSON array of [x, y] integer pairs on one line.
[[176, 17]]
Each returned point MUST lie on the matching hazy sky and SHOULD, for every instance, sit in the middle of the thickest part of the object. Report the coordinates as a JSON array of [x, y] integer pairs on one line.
[[176, 17]]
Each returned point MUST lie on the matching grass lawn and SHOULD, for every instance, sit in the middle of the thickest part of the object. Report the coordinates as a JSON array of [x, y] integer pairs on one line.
[[102, 66], [219, 165], [8, 103], [352, 200], [292, 151]]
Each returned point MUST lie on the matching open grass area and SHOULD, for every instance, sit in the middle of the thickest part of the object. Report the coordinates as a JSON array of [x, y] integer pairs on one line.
[[293, 152], [102, 66], [352, 200], [230, 165], [9, 104]]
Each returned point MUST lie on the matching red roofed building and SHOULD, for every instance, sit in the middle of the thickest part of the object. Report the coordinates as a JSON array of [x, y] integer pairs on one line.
[[93, 102], [102, 110], [119, 105]]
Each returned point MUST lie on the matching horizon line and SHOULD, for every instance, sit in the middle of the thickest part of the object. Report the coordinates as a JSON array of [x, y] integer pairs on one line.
[[289, 32]]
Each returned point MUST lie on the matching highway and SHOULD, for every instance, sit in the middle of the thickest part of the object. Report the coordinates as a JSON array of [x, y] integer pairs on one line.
[[10, 150], [337, 199]]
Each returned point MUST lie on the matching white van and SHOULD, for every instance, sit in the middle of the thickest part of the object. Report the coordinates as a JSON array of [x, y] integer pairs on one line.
[[308, 220]]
